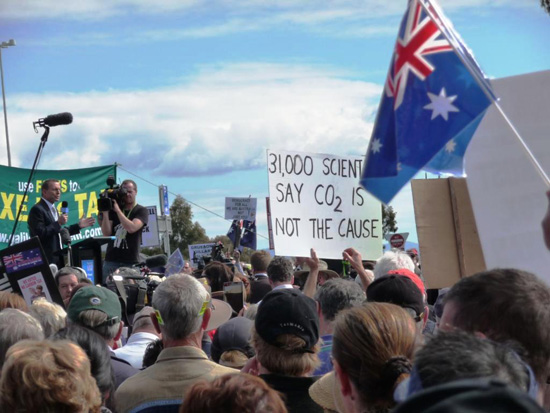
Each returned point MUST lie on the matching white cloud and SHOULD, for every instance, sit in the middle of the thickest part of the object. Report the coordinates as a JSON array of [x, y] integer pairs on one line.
[[221, 120], [300, 12]]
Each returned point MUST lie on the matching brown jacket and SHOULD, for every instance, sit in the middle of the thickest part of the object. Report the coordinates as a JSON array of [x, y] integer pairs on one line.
[[176, 369]]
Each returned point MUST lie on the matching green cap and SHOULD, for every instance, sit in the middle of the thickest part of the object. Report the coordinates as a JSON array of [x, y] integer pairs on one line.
[[95, 298]]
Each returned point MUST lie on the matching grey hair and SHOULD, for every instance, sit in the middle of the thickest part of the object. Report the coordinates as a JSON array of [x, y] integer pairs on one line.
[[392, 260], [15, 325], [95, 320], [251, 312], [456, 355], [142, 319], [338, 294], [52, 317], [179, 300]]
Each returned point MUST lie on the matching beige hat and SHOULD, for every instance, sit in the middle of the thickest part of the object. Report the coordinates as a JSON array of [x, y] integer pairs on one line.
[[323, 268], [326, 393]]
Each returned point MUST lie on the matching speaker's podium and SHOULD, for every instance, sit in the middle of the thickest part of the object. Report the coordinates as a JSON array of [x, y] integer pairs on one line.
[[87, 255]]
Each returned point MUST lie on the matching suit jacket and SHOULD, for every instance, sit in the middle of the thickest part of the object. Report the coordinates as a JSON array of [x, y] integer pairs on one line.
[[258, 289], [43, 225]]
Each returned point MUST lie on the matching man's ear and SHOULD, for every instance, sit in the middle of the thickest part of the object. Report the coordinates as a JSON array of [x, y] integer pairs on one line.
[[119, 333], [155, 322], [206, 318]]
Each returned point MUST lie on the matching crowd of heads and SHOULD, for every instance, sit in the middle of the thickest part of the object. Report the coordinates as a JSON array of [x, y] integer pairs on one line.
[[339, 346]]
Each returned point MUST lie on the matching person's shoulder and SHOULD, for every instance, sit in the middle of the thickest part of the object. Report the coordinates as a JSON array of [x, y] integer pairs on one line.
[[39, 206], [219, 370], [133, 383]]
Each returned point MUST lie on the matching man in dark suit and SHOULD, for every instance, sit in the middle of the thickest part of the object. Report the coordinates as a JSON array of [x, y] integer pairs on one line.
[[261, 285], [46, 222]]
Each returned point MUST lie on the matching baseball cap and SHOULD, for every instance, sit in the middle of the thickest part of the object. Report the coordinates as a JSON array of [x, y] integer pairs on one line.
[[288, 311], [233, 335], [95, 298], [398, 290], [414, 277]]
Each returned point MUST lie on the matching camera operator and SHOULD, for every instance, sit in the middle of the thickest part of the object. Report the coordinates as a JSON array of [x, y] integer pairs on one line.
[[126, 225]]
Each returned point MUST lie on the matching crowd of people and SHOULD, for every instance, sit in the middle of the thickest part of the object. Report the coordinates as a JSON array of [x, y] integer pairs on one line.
[[306, 340]]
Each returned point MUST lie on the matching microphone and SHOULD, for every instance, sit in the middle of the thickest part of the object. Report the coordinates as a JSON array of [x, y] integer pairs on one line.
[[65, 236], [154, 261], [64, 118], [65, 207]]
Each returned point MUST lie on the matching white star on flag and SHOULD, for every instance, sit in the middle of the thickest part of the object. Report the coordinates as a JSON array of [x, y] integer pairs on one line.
[[441, 104], [450, 146], [376, 146]]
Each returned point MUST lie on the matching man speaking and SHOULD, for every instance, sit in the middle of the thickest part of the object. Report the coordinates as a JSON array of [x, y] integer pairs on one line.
[[126, 225], [46, 222]]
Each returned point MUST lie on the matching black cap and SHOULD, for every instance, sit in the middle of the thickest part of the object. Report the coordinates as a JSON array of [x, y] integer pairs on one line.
[[288, 311], [233, 335], [398, 290]]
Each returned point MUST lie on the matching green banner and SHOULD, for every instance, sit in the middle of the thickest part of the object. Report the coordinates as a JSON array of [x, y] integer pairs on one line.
[[79, 187]]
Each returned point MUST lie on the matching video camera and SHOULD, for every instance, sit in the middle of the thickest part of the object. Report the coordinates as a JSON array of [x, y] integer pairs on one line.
[[115, 193]]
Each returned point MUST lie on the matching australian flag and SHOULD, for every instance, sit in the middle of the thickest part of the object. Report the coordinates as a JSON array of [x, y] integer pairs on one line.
[[434, 98], [233, 230], [248, 238], [248, 234]]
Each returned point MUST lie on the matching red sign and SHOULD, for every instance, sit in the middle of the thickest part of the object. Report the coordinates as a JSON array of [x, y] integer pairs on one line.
[[397, 241]]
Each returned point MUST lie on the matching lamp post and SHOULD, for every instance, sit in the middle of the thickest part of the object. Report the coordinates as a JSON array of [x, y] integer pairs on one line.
[[5, 45]]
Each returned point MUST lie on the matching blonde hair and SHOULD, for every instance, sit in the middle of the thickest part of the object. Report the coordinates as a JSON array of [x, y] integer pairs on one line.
[[47, 376], [374, 344], [12, 300], [288, 359], [52, 317], [233, 358]]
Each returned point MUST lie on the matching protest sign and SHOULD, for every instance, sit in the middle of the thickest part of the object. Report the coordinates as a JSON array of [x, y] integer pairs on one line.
[[316, 202], [28, 273], [240, 208], [197, 251], [507, 193], [175, 263], [79, 187], [150, 232]]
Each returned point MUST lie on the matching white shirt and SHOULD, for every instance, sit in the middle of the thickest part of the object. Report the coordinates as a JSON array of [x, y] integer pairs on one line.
[[283, 287], [134, 349]]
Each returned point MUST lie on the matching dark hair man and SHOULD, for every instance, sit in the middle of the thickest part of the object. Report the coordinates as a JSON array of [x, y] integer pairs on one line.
[[126, 225], [505, 305], [280, 273], [46, 222], [260, 286]]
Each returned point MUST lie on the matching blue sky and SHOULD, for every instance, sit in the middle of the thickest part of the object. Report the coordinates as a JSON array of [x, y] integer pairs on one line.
[[190, 94]]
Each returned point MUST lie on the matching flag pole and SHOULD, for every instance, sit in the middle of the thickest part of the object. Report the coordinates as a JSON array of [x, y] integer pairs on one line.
[[488, 93]]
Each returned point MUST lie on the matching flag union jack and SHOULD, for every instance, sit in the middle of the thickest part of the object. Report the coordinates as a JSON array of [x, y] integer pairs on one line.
[[12, 260], [435, 95], [420, 38]]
